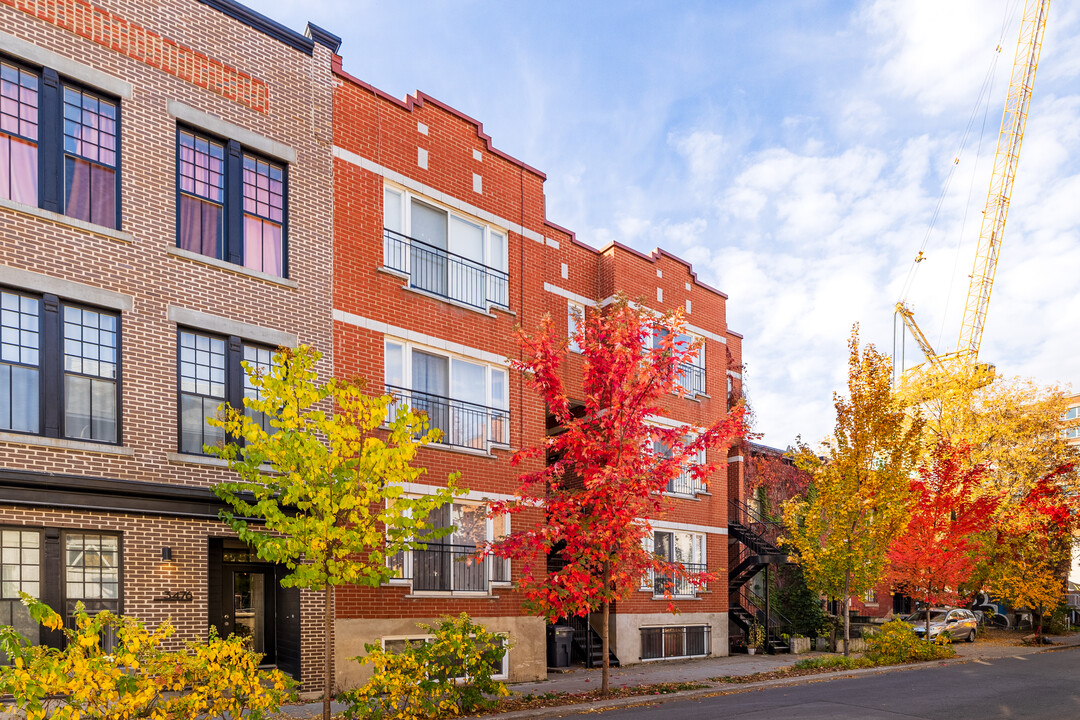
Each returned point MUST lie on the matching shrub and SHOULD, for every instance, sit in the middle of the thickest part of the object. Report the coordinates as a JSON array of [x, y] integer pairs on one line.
[[447, 675], [135, 678], [896, 642]]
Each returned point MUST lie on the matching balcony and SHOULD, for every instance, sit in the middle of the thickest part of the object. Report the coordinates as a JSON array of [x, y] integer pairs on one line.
[[677, 586], [445, 274], [691, 379], [685, 484], [449, 568], [463, 424]]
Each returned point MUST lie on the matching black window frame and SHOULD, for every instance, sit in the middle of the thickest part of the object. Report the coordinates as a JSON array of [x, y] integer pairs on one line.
[[53, 574], [50, 140], [234, 378], [42, 578], [232, 231], [52, 419], [61, 592]]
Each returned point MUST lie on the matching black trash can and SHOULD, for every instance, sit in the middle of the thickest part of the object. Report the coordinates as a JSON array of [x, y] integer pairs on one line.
[[559, 638]]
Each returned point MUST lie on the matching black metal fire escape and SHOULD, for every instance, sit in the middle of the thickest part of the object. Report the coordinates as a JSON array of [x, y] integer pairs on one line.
[[756, 551]]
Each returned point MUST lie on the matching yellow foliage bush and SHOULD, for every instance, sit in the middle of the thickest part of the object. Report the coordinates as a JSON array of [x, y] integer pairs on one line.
[[445, 676], [135, 678], [896, 642]]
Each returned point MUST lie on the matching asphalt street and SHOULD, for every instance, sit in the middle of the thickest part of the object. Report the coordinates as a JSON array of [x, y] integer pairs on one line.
[[1025, 687]]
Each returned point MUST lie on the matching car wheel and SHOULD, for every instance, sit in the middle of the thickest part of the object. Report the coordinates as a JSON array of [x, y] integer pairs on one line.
[[971, 636]]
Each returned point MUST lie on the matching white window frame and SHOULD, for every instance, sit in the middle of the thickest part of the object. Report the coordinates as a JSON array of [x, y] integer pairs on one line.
[[699, 552], [505, 636], [575, 318], [492, 237], [489, 536], [490, 370]]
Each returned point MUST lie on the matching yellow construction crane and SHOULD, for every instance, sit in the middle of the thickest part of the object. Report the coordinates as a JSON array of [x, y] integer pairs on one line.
[[1017, 102]]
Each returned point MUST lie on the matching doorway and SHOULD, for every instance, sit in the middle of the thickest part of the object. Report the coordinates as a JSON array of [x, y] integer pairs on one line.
[[246, 599]]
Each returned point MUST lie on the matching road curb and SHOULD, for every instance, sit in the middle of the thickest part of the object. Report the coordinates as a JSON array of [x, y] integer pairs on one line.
[[719, 689]]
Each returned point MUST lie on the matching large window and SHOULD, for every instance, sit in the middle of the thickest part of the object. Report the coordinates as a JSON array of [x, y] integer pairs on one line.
[[64, 134], [63, 568], [466, 400], [210, 372], [684, 483], [230, 203], [443, 253], [678, 548], [448, 563], [59, 368]]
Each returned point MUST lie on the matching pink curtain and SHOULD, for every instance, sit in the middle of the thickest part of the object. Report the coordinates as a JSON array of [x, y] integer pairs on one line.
[[18, 170], [262, 245]]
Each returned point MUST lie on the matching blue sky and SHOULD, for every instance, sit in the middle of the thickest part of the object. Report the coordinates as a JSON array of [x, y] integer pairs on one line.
[[793, 151]]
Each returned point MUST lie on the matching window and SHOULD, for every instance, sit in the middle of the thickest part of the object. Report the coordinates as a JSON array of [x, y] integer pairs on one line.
[[691, 375], [444, 253], [210, 372], [20, 569], [77, 157], [91, 576], [75, 397], [675, 641], [18, 135], [63, 568], [230, 203], [396, 645], [575, 318], [683, 548], [466, 400], [448, 564]]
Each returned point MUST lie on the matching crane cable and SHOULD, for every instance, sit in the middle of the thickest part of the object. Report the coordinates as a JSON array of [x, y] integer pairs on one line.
[[981, 101]]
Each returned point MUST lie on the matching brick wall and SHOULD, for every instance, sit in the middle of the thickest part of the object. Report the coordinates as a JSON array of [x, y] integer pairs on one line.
[[423, 146], [187, 52]]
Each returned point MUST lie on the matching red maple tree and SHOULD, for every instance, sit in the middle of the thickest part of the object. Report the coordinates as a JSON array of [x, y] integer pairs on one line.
[[934, 560], [602, 481]]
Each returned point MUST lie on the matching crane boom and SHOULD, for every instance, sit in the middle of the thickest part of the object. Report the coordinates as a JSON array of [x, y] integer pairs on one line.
[[991, 232], [1011, 135]]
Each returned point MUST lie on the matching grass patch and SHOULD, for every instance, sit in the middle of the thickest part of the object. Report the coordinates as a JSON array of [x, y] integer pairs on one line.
[[538, 701], [834, 662]]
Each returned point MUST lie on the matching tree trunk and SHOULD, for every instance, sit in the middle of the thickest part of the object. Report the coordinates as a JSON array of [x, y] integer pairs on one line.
[[328, 622], [927, 621], [846, 608], [605, 642]]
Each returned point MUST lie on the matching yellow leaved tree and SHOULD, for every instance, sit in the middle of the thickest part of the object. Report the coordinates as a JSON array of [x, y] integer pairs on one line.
[[859, 499]]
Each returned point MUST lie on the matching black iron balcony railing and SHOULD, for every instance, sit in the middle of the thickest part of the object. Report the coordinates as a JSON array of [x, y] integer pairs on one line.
[[684, 484], [445, 567], [692, 379], [669, 583], [443, 273], [463, 424]]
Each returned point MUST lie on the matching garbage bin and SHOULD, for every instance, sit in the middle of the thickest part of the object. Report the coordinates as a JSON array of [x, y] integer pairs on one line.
[[559, 638]]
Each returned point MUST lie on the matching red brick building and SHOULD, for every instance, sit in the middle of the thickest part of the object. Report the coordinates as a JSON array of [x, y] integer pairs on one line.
[[163, 215], [441, 248], [166, 211]]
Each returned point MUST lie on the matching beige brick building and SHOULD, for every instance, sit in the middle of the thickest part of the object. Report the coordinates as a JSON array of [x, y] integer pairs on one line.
[[164, 213]]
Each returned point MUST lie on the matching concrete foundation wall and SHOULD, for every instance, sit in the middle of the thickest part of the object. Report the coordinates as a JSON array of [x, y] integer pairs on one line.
[[527, 658], [626, 636]]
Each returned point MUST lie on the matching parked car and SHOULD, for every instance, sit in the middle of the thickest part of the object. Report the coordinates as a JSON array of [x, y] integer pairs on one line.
[[961, 624]]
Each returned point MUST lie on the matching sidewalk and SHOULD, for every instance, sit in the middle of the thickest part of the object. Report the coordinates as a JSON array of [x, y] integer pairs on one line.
[[579, 680]]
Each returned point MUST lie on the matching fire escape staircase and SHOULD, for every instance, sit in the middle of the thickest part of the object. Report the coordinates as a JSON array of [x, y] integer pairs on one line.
[[757, 550]]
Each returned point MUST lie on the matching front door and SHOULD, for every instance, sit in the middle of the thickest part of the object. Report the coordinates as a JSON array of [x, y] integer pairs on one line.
[[244, 595]]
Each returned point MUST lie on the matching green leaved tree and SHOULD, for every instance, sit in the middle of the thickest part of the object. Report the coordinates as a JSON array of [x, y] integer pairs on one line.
[[322, 469], [861, 499]]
